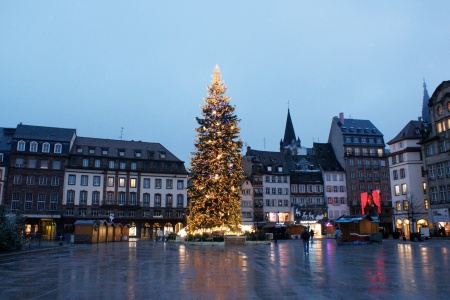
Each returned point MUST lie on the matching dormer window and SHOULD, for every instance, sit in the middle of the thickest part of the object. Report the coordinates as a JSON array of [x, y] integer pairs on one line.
[[79, 150], [269, 168], [104, 151], [91, 150], [33, 146], [162, 154], [150, 154], [46, 147], [138, 154], [21, 146], [280, 169], [121, 152], [58, 148]]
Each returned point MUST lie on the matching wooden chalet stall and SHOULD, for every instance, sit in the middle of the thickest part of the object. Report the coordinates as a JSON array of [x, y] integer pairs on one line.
[[117, 232], [90, 231], [362, 228], [126, 232], [110, 231]]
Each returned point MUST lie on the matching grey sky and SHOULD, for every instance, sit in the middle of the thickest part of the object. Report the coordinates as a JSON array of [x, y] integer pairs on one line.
[[98, 66]]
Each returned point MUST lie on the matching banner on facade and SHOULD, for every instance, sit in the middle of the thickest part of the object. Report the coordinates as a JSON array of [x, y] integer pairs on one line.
[[440, 215]]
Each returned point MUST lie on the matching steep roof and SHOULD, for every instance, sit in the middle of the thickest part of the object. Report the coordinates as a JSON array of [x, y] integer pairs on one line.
[[410, 132], [326, 157], [357, 127], [42, 133], [6, 135], [426, 117], [289, 133], [147, 150]]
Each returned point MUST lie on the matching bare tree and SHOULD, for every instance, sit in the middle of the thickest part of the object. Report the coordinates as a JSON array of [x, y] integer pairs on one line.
[[412, 209]]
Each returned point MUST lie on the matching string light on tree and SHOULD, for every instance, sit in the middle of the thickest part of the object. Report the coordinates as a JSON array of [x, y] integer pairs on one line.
[[216, 163]]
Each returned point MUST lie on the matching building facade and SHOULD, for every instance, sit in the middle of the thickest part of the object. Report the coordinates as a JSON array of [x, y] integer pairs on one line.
[[6, 135], [335, 192], [137, 183], [56, 178], [360, 149], [36, 176], [408, 183], [435, 150]]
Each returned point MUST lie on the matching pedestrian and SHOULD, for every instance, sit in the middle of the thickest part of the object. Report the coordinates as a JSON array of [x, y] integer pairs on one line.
[[338, 234], [305, 237], [311, 233]]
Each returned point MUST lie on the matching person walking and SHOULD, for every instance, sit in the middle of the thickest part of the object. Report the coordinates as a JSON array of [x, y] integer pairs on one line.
[[305, 237], [338, 235], [311, 233]]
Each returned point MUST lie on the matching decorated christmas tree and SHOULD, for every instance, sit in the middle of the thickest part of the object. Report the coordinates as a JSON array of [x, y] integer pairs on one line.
[[216, 164]]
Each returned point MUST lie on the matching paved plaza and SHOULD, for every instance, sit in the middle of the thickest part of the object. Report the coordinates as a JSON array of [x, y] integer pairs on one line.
[[144, 269]]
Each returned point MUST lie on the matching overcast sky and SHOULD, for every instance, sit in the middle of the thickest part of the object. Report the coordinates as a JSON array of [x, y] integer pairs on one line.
[[99, 66]]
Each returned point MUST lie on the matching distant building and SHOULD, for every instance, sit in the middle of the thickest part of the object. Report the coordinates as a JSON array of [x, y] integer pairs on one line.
[[334, 181], [38, 158], [408, 184], [6, 135], [435, 149], [56, 178], [137, 183], [360, 149]]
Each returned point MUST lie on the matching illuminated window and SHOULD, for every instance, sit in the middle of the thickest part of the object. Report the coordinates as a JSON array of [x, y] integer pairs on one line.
[[425, 203], [405, 205], [133, 182]]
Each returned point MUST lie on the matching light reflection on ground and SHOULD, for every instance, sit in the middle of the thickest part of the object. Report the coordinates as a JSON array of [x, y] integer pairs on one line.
[[150, 270]]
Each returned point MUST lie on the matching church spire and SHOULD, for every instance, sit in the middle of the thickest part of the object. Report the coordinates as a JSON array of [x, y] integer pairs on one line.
[[425, 110], [289, 144]]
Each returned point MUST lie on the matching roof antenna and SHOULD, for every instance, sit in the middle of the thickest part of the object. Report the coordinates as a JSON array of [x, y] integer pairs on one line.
[[121, 133]]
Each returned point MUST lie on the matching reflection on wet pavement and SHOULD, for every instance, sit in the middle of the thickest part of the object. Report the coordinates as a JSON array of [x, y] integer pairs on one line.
[[156, 270]]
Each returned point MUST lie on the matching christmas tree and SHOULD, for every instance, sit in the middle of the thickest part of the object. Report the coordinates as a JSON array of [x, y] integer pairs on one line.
[[216, 165]]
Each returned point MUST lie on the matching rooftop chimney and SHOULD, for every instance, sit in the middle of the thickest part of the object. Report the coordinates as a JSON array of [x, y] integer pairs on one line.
[[341, 118]]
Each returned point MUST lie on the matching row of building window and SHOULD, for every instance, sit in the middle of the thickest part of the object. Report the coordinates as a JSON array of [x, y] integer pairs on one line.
[[279, 179], [123, 213], [21, 146], [403, 189], [310, 188], [397, 158], [439, 170], [367, 188], [335, 188], [350, 151], [334, 177], [30, 180], [275, 202], [277, 191], [28, 200], [367, 163], [405, 205], [336, 200], [368, 175], [440, 194], [395, 174], [121, 152], [125, 199], [443, 146], [41, 164], [362, 139], [146, 182], [307, 201], [123, 165]]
